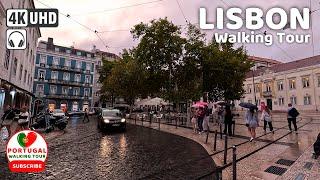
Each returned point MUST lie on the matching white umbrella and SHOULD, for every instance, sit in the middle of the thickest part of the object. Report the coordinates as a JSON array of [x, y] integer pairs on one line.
[[141, 102], [155, 102]]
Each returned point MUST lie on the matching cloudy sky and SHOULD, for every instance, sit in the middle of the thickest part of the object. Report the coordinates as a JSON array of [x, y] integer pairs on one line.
[[113, 21]]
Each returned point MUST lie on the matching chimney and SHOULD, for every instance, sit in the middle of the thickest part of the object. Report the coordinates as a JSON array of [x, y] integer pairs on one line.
[[50, 43]]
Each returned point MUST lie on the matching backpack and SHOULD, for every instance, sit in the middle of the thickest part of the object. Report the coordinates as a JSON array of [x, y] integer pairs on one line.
[[316, 146], [294, 113]]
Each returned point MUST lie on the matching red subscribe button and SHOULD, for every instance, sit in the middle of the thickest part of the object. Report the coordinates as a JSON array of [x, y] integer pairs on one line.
[[26, 166]]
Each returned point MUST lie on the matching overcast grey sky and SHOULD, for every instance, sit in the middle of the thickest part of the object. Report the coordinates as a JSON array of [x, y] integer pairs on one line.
[[123, 19]]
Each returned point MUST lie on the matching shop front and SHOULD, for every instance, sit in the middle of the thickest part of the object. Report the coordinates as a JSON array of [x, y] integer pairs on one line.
[[13, 96]]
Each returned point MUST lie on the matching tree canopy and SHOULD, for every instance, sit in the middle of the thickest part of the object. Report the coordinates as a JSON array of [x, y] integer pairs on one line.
[[175, 66]]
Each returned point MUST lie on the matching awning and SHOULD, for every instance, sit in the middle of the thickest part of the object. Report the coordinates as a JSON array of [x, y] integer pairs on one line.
[[18, 89]]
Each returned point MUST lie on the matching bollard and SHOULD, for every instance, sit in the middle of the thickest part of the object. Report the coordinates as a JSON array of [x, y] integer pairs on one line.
[[176, 123], [225, 149], [220, 131], [208, 132], [159, 122], [215, 140], [218, 173], [142, 120], [234, 162], [207, 136], [135, 120], [150, 121], [234, 127]]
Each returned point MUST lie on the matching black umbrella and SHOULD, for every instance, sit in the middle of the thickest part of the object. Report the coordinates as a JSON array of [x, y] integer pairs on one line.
[[221, 103], [248, 105]]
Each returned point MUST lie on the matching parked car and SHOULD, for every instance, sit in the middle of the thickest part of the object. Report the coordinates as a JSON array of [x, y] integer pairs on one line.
[[111, 118], [58, 113]]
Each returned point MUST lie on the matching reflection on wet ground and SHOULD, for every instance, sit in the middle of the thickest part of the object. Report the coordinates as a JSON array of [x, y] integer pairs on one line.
[[84, 153]]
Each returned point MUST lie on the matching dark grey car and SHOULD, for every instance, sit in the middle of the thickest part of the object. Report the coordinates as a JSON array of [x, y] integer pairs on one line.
[[111, 118]]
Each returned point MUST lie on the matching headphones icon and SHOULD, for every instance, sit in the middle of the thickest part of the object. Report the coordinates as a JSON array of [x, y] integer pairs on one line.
[[16, 35]]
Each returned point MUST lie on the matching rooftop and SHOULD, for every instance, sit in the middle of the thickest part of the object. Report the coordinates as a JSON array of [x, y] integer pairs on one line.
[[310, 61], [261, 59], [51, 46]]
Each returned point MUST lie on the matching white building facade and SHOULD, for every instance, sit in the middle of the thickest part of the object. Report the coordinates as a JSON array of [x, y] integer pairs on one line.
[[100, 56], [296, 82], [16, 66]]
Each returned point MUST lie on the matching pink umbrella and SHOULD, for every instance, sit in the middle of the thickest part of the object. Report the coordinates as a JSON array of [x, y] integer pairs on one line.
[[202, 103], [196, 105]]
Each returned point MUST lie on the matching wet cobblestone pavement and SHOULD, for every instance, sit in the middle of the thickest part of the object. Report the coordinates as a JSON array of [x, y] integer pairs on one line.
[[140, 153]]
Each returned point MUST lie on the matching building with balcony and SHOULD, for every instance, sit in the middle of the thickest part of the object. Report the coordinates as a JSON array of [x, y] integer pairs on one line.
[[296, 82], [64, 76], [17, 66]]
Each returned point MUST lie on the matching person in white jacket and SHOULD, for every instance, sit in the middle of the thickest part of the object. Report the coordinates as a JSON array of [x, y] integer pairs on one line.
[[267, 119]]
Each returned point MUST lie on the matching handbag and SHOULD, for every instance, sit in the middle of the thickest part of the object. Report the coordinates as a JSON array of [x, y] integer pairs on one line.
[[267, 118]]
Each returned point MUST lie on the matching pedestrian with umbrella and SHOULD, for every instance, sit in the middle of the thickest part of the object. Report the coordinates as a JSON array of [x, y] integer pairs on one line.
[[200, 115], [251, 119]]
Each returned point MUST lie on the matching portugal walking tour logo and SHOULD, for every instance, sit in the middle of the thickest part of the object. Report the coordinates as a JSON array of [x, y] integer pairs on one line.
[[27, 151]]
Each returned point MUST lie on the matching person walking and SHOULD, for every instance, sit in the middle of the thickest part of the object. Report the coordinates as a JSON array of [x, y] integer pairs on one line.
[[292, 115], [47, 117], [200, 116], [228, 116], [7, 119], [251, 119], [206, 118], [86, 115], [194, 120], [267, 119]]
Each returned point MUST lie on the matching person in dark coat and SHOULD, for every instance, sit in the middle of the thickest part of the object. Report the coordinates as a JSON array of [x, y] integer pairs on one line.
[[86, 115], [228, 116]]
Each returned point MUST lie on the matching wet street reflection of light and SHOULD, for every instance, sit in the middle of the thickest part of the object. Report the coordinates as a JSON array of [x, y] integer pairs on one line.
[[134, 154], [105, 147], [122, 146], [74, 121]]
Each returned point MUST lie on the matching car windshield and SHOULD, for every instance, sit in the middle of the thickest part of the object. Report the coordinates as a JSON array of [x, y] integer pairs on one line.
[[57, 111], [112, 113]]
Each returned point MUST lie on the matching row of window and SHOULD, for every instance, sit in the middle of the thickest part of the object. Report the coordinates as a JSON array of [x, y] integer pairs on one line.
[[293, 100], [66, 76], [65, 90], [68, 51], [280, 85], [56, 61], [24, 76]]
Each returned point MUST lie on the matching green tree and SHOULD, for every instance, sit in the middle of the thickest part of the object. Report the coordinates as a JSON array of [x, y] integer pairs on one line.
[[188, 74], [159, 52], [126, 80], [226, 68], [105, 69]]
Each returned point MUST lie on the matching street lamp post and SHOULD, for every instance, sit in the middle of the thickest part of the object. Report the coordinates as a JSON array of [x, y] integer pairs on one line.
[[254, 88]]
